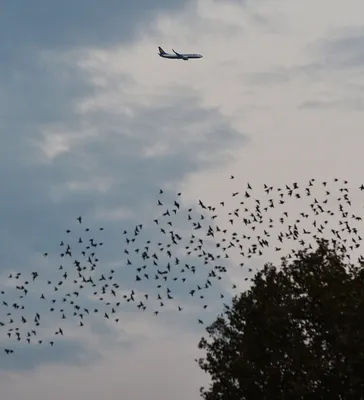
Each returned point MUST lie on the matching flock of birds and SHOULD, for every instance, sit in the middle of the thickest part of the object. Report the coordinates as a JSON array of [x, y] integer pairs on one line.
[[190, 249]]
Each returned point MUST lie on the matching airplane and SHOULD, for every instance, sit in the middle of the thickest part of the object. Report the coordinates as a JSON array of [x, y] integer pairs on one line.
[[177, 56]]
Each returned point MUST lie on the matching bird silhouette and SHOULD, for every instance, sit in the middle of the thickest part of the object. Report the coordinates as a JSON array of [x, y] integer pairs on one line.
[[190, 257]]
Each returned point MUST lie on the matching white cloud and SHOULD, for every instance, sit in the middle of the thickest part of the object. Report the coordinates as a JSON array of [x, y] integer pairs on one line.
[[262, 62]]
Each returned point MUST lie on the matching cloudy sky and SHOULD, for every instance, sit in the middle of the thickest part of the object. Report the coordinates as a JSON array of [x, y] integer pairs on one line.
[[93, 122]]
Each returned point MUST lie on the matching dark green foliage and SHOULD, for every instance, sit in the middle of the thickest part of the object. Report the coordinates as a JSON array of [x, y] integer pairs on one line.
[[298, 332]]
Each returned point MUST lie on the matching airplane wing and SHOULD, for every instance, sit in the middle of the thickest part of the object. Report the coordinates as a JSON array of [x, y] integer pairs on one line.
[[180, 55]]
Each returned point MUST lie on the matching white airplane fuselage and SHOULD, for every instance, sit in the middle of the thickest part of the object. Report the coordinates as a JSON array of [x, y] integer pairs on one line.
[[178, 56]]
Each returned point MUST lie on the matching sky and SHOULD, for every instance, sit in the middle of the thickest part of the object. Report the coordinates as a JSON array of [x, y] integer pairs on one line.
[[93, 122]]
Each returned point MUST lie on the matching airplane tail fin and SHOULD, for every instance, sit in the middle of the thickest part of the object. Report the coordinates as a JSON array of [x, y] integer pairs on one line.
[[161, 51]]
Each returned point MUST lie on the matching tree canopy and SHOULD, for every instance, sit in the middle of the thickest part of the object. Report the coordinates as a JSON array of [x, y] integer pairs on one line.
[[297, 332]]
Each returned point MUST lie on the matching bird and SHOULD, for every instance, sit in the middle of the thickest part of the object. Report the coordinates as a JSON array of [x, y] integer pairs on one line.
[[173, 267]]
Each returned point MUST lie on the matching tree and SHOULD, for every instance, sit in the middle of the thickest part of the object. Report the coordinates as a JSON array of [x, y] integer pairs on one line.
[[298, 332]]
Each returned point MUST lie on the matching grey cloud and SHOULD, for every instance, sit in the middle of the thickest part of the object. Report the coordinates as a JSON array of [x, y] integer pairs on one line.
[[40, 89], [344, 52], [37, 205], [345, 103], [68, 24], [30, 356], [35, 90], [277, 76], [340, 50], [309, 104], [314, 71]]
